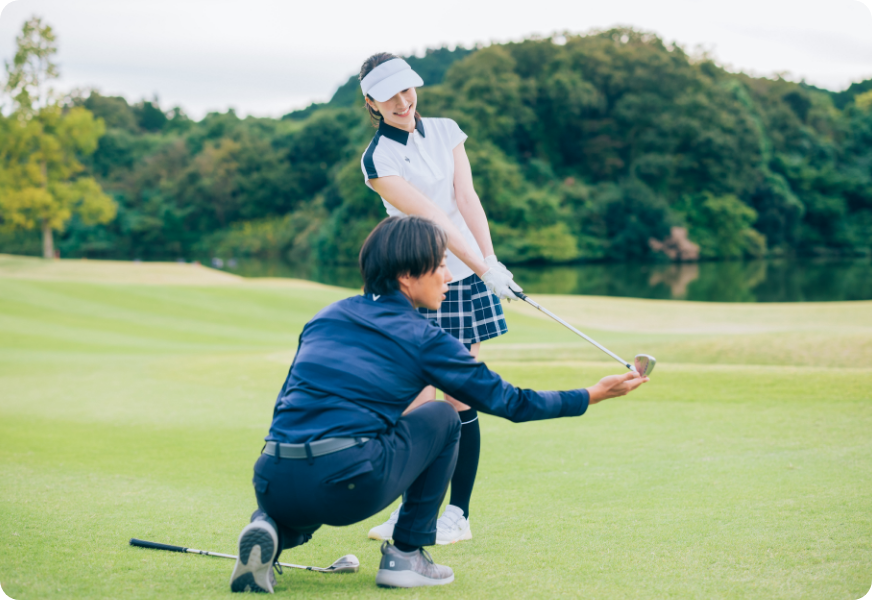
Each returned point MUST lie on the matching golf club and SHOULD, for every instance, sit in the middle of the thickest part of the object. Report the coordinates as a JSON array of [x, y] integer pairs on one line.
[[644, 363], [346, 564]]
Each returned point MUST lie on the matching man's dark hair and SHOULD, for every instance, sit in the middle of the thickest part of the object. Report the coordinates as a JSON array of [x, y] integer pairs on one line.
[[400, 246]]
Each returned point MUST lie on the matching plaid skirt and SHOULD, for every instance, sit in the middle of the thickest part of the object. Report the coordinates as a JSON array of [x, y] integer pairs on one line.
[[469, 312]]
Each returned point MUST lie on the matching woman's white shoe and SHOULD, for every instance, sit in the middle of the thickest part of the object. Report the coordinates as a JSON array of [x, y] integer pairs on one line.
[[452, 526], [385, 531]]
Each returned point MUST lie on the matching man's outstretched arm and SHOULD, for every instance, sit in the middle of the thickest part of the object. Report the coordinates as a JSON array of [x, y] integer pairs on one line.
[[449, 367]]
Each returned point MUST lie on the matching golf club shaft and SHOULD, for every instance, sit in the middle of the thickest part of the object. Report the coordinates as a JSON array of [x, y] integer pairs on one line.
[[527, 299], [158, 546]]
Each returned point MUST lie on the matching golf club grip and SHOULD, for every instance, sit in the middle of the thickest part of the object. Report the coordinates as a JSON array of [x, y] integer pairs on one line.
[[156, 546]]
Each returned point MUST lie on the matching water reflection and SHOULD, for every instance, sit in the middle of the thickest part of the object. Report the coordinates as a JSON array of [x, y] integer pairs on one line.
[[779, 280], [732, 281], [677, 277]]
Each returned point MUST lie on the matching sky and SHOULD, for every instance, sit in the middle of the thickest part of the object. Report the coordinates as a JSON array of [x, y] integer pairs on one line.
[[268, 57]]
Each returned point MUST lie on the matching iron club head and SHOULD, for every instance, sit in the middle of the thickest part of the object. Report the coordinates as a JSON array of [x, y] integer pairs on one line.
[[345, 564], [645, 364]]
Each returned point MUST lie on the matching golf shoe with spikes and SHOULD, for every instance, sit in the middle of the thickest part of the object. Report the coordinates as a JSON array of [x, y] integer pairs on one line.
[[410, 569], [258, 547]]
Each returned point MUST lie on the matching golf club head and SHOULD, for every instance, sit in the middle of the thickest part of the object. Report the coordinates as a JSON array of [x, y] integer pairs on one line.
[[346, 564], [645, 364]]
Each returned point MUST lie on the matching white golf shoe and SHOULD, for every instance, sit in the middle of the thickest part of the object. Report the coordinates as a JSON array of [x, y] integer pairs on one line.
[[452, 526], [385, 531]]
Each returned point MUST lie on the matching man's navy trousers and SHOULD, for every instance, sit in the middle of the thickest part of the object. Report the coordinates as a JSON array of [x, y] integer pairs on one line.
[[416, 456]]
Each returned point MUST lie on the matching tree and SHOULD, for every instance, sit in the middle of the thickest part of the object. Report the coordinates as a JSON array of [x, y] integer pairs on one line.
[[40, 185], [584, 148], [721, 225], [32, 68]]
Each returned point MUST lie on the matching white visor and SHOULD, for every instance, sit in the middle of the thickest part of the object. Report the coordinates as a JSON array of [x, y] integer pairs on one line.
[[395, 75]]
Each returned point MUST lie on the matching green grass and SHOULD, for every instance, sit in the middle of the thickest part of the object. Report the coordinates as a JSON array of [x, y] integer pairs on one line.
[[134, 403]]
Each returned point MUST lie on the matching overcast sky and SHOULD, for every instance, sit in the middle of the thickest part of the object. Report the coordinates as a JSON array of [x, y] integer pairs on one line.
[[267, 57]]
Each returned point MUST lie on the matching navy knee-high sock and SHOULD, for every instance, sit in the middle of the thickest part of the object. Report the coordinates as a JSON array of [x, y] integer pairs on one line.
[[467, 460]]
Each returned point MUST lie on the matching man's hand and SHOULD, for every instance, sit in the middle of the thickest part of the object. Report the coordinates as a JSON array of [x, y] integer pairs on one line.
[[614, 386]]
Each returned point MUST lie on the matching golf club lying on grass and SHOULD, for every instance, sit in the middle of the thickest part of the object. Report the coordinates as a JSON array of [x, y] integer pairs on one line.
[[346, 564], [644, 362]]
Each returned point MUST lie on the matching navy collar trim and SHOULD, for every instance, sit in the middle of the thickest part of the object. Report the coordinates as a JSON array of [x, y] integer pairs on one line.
[[399, 135], [394, 297]]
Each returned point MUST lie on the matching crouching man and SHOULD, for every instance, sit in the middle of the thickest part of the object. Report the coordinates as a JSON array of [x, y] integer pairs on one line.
[[340, 450]]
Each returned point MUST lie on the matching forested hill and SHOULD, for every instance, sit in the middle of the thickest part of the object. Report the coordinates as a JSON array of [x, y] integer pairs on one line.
[[431, 67], [583, 150]]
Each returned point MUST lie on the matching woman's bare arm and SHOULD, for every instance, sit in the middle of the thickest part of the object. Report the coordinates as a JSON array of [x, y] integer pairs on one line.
[[469, 203], [408, 200]]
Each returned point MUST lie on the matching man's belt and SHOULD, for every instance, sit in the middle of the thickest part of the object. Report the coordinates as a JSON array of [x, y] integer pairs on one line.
[[312, 449]]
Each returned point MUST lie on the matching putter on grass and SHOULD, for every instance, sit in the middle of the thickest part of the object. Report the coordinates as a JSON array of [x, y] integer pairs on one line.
[[644, 362], [346, 564]]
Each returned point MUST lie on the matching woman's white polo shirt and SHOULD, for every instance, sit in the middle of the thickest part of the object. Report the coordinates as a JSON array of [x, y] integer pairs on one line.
[[425, 159]]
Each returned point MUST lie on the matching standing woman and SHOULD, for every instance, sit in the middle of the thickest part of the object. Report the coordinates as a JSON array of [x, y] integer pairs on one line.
[[419, 167]]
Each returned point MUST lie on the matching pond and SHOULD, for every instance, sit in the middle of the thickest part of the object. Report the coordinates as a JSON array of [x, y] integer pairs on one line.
[[777, 280]]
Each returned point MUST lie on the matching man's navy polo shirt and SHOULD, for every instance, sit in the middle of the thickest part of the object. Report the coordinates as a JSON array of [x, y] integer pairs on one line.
[[361, 362]]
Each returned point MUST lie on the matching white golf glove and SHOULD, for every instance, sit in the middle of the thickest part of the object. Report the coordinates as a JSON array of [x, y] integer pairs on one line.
[[493, 263], [498, 280]]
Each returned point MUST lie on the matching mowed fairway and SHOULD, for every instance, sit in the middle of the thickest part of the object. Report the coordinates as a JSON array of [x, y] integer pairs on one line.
[[134, 400]]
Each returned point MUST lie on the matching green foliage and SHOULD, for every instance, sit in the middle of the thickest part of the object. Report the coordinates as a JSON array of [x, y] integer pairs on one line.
[[842, 99], [143, 117], [114, 111], [436, 62], [357, 210], [41, 181], [779, 211], [290, 237], [864, 101], [31, 70], [150, 117], [431, 67], [585, 149], [721, 225]]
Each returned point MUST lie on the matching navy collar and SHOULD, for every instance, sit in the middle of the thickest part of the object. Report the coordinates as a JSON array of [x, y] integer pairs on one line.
[[394, 297], [399, 135]]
